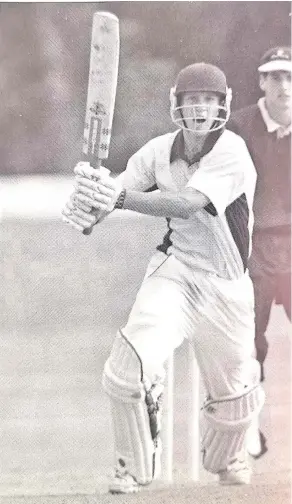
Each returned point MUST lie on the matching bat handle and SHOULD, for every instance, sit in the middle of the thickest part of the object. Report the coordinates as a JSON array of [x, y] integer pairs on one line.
[[87, 231]]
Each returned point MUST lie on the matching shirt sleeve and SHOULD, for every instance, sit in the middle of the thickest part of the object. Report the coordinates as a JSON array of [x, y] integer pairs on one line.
[[140, 171], [222, 177]]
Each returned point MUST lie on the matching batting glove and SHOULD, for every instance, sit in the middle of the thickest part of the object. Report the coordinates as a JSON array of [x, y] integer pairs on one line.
[[96, 187], [92, 199], [79, 215]]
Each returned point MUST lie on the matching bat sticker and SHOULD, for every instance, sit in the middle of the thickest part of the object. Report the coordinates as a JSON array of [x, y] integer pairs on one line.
[[97, 109]]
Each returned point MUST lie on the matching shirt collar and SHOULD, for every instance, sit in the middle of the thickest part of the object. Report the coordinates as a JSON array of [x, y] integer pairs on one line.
[[269, 122], [178, 147]]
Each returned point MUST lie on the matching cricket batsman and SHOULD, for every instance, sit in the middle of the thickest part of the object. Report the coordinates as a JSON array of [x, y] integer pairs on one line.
[[196, 286]]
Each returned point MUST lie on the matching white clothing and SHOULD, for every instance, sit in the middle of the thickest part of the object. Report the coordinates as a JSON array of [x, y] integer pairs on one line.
[[217, 238], [270, 123], [196, 287], [214, 314]]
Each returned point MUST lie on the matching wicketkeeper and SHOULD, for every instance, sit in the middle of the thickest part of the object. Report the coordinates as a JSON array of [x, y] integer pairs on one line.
[[196, 286]]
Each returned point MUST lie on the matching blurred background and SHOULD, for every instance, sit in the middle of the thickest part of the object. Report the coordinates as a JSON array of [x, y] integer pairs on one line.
[[44, 50], [63, 295]]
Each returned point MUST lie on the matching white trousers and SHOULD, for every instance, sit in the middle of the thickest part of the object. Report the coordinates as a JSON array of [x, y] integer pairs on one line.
[[216, 315]]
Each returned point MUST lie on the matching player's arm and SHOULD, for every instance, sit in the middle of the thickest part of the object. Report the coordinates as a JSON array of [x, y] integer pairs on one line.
[[95, 192], [226, 177], [83, 208], [166, 204], [99, 190]]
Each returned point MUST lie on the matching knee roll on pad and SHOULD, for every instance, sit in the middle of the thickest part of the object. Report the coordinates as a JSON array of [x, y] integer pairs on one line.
[[136, 412], [224, 425]]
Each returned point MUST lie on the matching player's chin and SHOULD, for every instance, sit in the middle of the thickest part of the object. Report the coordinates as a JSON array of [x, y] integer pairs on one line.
[[202, 128]]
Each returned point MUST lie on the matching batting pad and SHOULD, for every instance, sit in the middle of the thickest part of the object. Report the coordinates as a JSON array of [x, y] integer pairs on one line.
[[137, 445], [224, 425]]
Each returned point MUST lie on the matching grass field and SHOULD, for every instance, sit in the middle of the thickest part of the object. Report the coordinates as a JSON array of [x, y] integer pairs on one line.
[[63, 296]]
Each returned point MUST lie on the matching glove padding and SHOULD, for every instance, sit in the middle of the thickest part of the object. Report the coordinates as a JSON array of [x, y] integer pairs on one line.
[[78, 215], [93, 199], [96, 188]]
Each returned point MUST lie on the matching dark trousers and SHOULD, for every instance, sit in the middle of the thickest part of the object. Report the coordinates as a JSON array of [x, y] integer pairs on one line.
[[270, 269], [267, 290]]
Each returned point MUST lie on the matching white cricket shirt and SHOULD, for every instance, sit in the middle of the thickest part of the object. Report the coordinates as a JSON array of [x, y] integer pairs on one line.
[[217, 238]]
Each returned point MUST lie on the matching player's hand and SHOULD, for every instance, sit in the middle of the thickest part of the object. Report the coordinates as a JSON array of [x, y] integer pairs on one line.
[[78, 215], [83, 169], [83, 210], [96, 188]]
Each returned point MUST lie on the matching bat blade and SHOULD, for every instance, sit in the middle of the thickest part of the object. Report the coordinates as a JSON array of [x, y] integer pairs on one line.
[[102, 85]]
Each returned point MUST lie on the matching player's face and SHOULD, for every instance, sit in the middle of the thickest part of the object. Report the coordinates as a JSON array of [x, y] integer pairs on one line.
[[199, 110], [277, 88]]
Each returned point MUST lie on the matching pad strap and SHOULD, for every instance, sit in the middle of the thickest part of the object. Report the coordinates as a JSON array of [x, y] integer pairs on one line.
[[224, 425]]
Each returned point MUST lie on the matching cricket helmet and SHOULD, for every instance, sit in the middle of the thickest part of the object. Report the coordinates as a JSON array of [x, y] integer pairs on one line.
[[200, 77]]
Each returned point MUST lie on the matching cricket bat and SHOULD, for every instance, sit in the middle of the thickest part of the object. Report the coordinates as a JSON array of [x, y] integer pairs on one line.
[[102, 86]]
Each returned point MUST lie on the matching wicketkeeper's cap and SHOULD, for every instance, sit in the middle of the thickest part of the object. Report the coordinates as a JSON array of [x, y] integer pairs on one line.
[[276, 59]]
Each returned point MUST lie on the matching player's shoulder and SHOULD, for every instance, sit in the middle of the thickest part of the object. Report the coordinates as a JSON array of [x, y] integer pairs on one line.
[[162, 140], [230, 142], [161, 143], [230, 151]]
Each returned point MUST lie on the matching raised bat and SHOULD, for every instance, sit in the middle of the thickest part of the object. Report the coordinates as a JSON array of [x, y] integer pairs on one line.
[[102, 86]]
